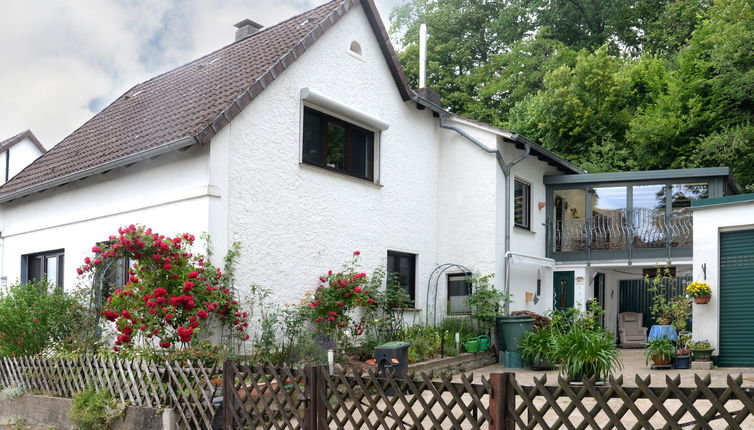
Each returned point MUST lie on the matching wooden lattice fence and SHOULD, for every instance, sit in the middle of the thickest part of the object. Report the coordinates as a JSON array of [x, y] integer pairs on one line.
[[312, 398], [187, 388]]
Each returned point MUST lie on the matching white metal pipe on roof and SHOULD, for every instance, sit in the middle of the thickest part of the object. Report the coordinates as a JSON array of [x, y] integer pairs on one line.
[[422, 55]]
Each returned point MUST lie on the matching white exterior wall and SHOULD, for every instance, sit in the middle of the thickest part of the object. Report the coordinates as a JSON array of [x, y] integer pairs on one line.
[[708, 223], [21, 155], [297, 221], [169, 194], [437, 195]]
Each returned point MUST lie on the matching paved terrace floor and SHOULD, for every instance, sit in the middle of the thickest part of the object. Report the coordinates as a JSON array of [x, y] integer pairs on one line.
[[634, 364]]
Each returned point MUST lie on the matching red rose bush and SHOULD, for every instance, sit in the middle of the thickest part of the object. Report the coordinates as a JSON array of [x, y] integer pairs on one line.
[[333, 305], [171, 294]]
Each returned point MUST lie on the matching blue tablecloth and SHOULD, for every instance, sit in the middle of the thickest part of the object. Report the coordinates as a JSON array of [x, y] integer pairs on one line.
[[660, 331]]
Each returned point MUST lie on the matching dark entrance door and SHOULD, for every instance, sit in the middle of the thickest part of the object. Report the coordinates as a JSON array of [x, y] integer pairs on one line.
[[562, 287]]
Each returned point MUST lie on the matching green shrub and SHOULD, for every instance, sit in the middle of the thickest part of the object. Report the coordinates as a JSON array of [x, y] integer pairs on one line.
[[486, 302], [95, 410], [537, 345], [425, 342], [33, 315]]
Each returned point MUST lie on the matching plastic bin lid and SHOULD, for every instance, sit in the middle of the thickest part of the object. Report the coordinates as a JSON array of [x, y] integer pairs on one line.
[[394, 345]]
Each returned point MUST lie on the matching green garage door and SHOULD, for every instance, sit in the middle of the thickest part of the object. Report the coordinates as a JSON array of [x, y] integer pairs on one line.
[[736, 298]]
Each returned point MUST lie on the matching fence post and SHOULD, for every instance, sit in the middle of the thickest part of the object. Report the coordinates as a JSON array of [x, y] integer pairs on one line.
[[502, 400], [228, 384], [311, 373]]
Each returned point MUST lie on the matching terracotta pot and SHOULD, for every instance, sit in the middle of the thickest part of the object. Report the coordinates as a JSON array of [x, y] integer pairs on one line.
[[661, 360], [702, 300]]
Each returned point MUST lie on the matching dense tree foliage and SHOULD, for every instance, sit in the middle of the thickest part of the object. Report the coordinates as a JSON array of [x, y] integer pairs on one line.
[[608, 84]]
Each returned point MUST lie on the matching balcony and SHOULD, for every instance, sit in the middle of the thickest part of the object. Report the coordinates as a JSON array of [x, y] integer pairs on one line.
[[627, 215], [623, 233]]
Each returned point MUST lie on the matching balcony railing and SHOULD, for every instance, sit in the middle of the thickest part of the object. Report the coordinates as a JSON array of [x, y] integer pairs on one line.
[[623, 229]]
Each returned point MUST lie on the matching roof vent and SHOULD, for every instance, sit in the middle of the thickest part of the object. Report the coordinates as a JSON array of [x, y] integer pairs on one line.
[[246, 28]]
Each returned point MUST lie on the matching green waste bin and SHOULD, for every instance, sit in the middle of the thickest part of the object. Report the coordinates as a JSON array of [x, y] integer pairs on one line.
[[510, 329], [392, 359]]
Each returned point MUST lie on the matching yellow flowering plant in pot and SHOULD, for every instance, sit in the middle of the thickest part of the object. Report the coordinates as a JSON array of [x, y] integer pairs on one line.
[[700, 291]]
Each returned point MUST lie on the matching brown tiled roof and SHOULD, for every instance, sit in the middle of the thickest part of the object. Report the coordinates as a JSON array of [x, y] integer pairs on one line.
[[192, 102], [7, 143]]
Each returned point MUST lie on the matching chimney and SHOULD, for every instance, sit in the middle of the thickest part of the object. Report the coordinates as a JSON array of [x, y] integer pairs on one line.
[[246, 28]]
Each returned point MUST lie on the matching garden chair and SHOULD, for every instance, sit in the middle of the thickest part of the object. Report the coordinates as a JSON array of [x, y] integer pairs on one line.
[[630, 330]]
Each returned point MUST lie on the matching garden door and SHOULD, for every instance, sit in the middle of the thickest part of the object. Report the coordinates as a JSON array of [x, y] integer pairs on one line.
[[562, 287], [736, 345]]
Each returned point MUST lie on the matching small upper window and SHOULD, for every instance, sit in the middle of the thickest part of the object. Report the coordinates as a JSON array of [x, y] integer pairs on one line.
[[334, 144], [522, 200], [355, 47]]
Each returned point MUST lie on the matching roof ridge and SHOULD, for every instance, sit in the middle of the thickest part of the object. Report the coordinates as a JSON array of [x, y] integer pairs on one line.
[[235, 42]]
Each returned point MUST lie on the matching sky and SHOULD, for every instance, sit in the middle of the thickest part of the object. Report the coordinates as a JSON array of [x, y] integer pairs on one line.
[[63, 61]]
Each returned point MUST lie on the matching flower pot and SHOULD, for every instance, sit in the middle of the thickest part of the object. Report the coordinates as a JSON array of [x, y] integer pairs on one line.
[[682, 361], [661, 360], [541, 364], [703, 300], [510, 329], [702, 354]]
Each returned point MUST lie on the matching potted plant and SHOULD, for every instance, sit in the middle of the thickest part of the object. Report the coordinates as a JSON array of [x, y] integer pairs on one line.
[[660, 352], [700, 291], [683, 353], [701, 350], [582, 347], [536, 348]]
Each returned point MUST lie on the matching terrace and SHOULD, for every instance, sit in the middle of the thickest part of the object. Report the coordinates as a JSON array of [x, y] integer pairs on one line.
[[628, 216]]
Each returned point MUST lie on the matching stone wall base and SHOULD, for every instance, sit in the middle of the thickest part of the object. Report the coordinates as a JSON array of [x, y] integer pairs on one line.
[[53, 411]]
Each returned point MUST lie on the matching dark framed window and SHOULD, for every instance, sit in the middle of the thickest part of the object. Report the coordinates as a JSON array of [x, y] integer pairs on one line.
[[43, 265], [459, 290], [110, 276], [402, 266], [522, 204], [337, 145]]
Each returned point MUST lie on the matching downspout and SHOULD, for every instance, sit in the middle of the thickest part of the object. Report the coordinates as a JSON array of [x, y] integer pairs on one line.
[[506, 169]]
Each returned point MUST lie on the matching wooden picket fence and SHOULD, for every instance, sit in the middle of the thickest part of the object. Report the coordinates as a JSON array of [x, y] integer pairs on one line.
[[187, 388]]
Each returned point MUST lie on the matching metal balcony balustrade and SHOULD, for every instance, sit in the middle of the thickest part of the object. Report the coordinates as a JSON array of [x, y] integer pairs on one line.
[[630, 230]]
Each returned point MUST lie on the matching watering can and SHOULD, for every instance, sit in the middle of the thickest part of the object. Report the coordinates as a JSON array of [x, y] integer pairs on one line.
[[484, 342], [471, 344]]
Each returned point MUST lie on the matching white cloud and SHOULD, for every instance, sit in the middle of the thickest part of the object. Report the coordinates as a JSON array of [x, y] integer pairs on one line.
[[64, 61]]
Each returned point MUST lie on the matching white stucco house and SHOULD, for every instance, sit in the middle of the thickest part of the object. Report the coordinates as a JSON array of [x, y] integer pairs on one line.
[[304, 142]]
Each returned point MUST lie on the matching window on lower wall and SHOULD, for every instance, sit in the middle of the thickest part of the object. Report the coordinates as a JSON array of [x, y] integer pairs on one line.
[[522, 204], [109, 277], [337, 145], [459, 289], [402, 266], [43, 265]]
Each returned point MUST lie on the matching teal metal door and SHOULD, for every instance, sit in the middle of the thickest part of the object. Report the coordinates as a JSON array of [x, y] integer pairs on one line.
[[562, 288], [736, 345]]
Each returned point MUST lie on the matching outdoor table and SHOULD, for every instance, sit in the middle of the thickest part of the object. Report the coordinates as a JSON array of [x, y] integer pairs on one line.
[[660, 331]]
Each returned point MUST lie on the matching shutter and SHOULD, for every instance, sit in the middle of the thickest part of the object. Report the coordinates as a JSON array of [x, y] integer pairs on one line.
[[736, 341]]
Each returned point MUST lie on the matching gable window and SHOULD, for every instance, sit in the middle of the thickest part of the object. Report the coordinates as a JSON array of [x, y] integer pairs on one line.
[[337, 145], [522, 204], [459, 289], [402, 266], [43, 265]]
